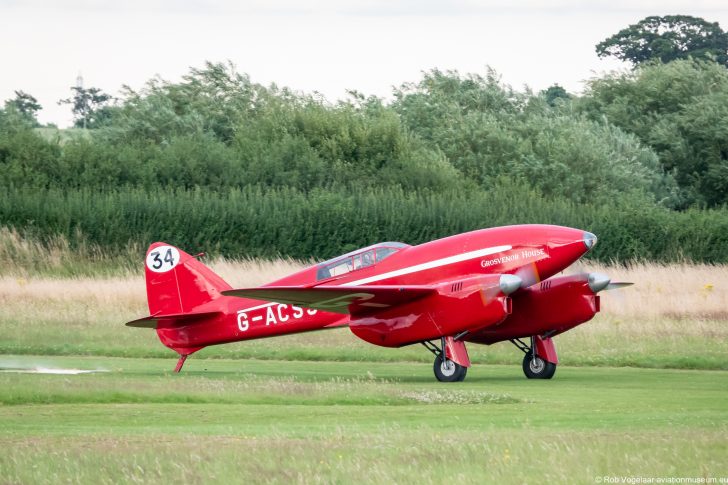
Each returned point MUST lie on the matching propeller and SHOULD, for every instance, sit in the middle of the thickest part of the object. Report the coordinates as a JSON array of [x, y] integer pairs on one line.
[[618, 299], [507, 284], [618, 285], [529, 275], [599, 281]]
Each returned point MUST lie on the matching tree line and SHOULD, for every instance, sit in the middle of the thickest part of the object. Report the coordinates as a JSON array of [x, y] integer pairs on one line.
[[648, 145]]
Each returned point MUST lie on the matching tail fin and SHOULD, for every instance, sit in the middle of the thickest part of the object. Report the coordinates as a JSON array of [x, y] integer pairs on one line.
[[178, 283], [178, 289]]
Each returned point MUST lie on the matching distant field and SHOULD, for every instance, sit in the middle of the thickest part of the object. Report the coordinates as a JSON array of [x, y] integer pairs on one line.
[[674, 316]]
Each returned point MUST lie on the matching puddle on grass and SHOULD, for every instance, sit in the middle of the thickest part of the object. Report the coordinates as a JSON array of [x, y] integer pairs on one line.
[[46, 370]]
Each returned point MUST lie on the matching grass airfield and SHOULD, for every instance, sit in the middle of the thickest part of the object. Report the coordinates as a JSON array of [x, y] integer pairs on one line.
[[290, 421], [642, 392]]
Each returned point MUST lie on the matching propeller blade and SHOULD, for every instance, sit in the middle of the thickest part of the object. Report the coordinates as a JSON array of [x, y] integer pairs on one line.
[[528, 275], [616, 286]]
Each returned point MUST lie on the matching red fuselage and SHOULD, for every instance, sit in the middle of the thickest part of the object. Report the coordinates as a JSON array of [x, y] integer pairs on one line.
[[531, 252]]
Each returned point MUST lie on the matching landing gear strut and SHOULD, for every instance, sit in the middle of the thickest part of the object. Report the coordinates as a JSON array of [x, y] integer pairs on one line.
[[534, 366], [445, 369]]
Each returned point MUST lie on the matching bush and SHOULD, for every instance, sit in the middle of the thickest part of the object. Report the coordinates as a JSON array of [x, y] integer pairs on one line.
[[257, 222]]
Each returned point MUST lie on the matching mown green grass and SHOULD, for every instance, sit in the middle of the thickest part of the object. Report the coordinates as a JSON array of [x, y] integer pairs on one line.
[[67, 329], [223, 421]]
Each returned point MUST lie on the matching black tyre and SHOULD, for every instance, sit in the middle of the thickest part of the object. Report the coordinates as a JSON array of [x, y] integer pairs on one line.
[[449, 371], [537, 368]]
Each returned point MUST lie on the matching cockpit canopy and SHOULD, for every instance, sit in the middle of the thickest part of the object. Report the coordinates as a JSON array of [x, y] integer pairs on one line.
[[361, 258]]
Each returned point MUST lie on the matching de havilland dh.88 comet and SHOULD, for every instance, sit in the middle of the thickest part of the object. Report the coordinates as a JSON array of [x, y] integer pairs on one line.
[[479, 287]]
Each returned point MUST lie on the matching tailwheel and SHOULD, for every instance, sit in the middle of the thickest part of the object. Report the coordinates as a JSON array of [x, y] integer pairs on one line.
[[537, 368], [448, 371]]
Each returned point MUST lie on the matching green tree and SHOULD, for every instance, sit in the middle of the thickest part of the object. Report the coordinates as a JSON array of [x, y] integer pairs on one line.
[[555, 93], [275, 137], [680, 110], [667, 38], [89, 106], [24, 106], [489, 132]]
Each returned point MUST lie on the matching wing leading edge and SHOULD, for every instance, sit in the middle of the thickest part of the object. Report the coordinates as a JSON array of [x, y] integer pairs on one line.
[[350, 300]]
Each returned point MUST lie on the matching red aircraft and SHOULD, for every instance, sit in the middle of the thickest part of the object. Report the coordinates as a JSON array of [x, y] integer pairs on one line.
[[483, 287]]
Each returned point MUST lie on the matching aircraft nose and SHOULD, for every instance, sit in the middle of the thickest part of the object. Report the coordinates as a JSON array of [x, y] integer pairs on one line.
[[590, 240]]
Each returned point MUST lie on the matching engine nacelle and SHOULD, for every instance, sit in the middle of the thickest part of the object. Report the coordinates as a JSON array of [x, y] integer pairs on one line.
[[467, 304], [548, 308]]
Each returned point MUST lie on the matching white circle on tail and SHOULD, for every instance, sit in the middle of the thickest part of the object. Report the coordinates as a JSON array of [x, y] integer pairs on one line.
[[162, 258]]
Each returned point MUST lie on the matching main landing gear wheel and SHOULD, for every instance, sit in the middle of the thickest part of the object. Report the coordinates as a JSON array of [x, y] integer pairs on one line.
[[448, 371], [537, 368]]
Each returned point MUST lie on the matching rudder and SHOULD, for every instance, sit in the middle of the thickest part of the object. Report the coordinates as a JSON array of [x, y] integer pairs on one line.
[[177, 282]]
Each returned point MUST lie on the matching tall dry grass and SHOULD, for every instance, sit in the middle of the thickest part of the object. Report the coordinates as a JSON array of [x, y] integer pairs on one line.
[[45, 287], [674, 291], [101, 304], [22, 255], [53, 269], [674, 316]]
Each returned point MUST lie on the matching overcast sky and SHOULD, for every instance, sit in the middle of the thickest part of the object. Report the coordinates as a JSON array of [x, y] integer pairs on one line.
[[327, 46]]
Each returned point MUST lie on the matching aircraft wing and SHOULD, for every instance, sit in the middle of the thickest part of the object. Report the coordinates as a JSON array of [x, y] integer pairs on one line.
[[338, 299]]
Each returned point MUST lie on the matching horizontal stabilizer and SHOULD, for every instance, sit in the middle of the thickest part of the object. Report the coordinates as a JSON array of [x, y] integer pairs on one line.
[[337, 299], [171, 320]]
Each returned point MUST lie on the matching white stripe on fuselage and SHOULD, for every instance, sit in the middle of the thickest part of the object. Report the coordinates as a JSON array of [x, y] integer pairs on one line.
[[479, 253], [258, 307]]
